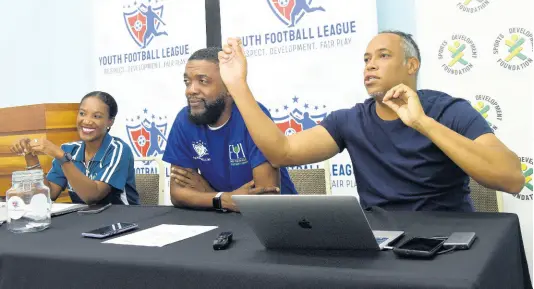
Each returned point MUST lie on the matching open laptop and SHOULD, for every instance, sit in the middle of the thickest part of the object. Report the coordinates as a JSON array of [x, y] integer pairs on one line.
[[311, 222]]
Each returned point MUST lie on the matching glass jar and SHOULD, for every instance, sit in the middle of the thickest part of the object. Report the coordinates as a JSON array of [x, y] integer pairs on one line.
[[28, 202]]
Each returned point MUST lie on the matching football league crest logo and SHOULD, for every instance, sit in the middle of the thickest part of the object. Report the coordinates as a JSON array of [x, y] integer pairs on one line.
[[291, 11], [297, 117], [147, 135], [143, 22]]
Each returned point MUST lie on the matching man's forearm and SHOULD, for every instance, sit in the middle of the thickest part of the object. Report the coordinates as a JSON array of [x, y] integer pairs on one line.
[[265, 134], [492, 167], [191, 198], [187, 197], [265, 175]]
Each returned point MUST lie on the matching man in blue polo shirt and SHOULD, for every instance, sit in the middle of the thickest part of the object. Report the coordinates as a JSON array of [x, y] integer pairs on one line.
[[210, 136], [410, 149]]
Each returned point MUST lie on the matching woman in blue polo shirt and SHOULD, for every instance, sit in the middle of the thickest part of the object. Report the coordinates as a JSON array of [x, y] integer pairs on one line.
[[98, 169]]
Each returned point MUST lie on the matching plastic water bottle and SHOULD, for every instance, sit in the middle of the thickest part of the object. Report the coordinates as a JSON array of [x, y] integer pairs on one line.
[[28, 202]]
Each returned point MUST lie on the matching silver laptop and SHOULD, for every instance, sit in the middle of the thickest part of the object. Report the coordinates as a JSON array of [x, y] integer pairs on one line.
[[311, 222]]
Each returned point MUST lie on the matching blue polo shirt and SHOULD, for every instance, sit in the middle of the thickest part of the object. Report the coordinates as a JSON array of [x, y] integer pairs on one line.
[[398, 168], [225, 156], [113, 164]]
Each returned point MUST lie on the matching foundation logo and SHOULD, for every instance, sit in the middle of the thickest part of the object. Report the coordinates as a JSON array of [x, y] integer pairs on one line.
[[457, 54], [514, 49], [297, 116], [527, 167], [237, 155], [472, 6], [490, 109]]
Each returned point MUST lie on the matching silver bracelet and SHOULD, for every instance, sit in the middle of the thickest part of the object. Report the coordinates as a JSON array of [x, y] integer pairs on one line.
[[33, 167]]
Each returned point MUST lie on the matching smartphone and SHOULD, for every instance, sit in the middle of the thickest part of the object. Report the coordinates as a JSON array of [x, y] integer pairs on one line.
[[110, 230], [418, 248], [94, 209]]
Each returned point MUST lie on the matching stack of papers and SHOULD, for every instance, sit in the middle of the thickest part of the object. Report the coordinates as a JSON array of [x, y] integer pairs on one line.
[[161, 235], [3, 212], [57, 209], [63, 208]]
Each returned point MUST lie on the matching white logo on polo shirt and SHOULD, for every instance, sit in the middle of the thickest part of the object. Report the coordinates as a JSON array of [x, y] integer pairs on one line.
[[237, 155], [201, 150]]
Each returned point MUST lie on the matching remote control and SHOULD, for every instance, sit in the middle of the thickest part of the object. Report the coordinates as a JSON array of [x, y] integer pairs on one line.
[[223, 241]]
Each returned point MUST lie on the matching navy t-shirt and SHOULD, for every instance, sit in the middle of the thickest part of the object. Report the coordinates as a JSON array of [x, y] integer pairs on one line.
[[225, 156], [398, 168]]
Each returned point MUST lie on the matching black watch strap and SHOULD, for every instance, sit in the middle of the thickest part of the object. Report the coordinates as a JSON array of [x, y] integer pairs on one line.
[[67, 157]]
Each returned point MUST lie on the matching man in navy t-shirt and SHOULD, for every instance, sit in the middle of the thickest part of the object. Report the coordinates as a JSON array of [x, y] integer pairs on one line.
[[210, 136], [410, 150]]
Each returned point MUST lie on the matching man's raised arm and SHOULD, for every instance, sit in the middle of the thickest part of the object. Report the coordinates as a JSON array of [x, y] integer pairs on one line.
[[306, 147]]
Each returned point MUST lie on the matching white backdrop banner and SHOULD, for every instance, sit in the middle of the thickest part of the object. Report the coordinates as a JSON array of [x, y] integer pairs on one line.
[[141, 47], [305, 60], [490, 64]]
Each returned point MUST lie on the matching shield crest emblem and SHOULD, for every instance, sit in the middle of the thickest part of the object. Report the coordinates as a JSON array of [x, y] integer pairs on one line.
[[139, 139], [288, 125], [283, 9], [161, 140], [143, 137], [136, 24]]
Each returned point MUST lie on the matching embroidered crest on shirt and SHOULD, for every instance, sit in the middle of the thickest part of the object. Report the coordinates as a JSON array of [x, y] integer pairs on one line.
[[202, 151], [237, 155]]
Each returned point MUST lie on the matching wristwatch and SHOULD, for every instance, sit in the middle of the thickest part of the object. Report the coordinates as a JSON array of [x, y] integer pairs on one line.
[[217, 203], [67, 157]]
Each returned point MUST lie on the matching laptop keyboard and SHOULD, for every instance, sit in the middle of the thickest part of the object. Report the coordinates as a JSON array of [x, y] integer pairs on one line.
[[380, 240]]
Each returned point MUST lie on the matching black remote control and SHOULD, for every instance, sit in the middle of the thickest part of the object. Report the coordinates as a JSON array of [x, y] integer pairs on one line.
[[223, 241]]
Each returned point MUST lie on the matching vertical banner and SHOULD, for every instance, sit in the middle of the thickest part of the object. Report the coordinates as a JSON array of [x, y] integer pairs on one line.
[[305, 59], [486, 57], [141, 47]]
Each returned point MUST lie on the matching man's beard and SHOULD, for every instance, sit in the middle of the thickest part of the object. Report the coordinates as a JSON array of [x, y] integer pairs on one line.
[[212, 111], [378, 95]]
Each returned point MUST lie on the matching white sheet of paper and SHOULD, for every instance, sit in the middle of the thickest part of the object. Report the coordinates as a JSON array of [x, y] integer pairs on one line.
[[161, 235]]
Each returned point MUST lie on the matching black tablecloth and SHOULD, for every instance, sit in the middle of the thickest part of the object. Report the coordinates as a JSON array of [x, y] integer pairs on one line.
[[60, 258]]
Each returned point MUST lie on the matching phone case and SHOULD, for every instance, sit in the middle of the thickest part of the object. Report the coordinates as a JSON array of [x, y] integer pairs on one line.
[[110, 233], [405, 253]]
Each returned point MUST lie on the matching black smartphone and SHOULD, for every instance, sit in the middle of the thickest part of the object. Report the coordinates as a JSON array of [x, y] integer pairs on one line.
[[94, 209], [418, 248], [110, 230]]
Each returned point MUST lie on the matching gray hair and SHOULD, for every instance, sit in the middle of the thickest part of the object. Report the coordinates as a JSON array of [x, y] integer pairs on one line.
[[408, 44]]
